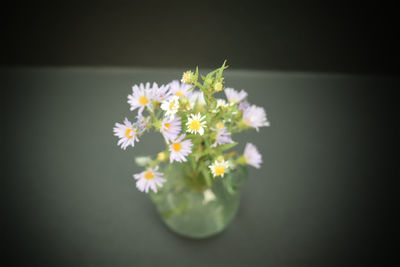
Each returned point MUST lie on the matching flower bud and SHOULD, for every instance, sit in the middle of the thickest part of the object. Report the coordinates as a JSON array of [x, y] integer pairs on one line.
[[218, 86], [188, 77], [220, 158], [162, 156], [208, 81], [142, 161], [219, 125]]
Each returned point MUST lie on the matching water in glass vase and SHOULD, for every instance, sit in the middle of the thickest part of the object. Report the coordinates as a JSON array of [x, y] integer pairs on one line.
[[194, 207]]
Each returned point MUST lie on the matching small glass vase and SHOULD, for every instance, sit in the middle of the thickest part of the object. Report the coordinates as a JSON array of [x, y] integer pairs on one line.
[[193, 208]]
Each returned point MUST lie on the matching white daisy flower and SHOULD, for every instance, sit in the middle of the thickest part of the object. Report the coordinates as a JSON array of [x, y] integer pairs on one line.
[[219, 168], [179, 89], [252, 156], [189, 105], [170, 129], [221, 103], [171, 106], [223, 136], [180, 149], [162, 93], [191, 100], [141, 97], [149, 179], [255, 117], [126, 133], [197, 96], [234, 96], [196, 124]]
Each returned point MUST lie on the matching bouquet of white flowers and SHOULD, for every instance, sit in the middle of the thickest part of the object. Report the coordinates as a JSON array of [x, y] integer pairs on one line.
[[196, 126]]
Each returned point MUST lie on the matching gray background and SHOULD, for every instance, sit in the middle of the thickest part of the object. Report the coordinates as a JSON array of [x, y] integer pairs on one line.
[[323, 197]]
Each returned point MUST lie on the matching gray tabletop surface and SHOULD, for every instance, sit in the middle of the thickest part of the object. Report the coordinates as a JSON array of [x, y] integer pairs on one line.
[[70, 199]]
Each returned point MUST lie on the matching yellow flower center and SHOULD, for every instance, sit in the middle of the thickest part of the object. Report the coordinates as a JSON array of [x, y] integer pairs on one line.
[[167, 125], [171, 105], [149, 175], [195, 125], [128, 133], [143, 100], [219, 170], [177, 147], [220, 125], [179, 93]]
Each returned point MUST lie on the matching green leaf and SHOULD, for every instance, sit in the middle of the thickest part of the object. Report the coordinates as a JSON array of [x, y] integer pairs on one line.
[[220, 71], [191, 88], [227, 146], [212, 73]]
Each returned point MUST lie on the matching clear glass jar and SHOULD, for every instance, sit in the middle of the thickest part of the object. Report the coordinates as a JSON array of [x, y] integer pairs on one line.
[[194, 209]]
